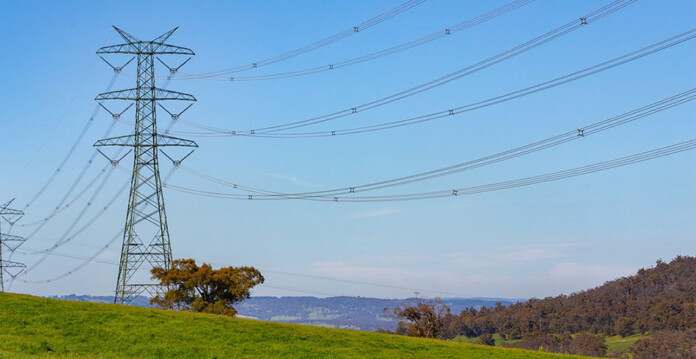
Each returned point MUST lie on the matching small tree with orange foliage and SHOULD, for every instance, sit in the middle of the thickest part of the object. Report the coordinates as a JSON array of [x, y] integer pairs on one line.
[[424, 318], [204, 289]]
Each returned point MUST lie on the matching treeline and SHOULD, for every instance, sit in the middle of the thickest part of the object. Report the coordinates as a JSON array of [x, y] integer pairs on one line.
[[578, 344], [660, 301], [658, 298]]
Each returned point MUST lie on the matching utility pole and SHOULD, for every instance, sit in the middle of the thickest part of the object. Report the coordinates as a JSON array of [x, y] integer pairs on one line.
[[146, 235], [5, 210]]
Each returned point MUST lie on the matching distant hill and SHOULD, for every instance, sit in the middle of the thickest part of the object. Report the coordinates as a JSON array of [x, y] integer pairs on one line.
[[336, 312], [341, 312], [139, 301], [661, 299], [34, 327]]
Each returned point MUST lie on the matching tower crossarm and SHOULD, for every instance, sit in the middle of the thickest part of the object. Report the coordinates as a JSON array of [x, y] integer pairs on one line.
[[130, 141], [146, 47], [167, 49], [12, 238], [118, 49], [11, 212], [17, 241], [6, 210], [134, 45], [132, 95], [164, 140], [11, 264]]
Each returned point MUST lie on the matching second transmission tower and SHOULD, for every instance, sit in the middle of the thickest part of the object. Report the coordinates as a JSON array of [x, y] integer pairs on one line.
[[146, 234], [9, 267]]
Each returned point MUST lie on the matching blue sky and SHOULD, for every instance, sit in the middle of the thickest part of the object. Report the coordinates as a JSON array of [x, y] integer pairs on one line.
[[536, 241]]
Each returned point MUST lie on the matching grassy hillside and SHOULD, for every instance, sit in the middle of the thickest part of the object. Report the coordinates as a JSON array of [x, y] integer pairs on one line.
[[39, 327], [614, 343], [617, 343]]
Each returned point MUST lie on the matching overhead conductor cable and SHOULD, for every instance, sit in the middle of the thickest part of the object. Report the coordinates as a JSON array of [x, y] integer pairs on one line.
[[452, 111], [316, 45]]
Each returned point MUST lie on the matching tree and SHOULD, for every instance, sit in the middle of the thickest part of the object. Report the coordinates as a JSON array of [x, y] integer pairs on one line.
[[204, 289], [486, 339], [587, 344], [666, 344], [539, 341], [425, 318], [624, 326], [658, 298]]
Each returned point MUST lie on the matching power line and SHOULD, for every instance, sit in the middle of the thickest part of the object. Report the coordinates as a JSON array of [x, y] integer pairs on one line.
[[606, 65], [306, 291], [66, 235], [87, 260], [61, 118], [70, 203], [517, 50], [87, 205], [556, 140], [69, 236], [392, 50], [61, 205], [36, 251], [350, 281], [316, 45], [554, 176], [116, 116], [569, 136], [51, 250], [65, 238], [47, 239], [94, 259], [71, 151]]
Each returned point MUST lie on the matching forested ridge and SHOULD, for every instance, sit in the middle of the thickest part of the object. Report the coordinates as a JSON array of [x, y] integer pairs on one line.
[[659, 298]]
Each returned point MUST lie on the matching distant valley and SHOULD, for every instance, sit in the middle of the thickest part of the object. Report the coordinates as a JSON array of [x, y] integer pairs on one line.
[[359, 313]]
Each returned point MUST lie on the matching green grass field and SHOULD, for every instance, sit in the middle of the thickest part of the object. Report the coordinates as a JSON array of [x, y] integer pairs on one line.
[[498, 339], [614, 343], [617, 343], [48, 328]]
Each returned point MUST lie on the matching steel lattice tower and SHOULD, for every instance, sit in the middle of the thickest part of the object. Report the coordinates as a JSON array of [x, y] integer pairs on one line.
[[4, 239], [146, 235]]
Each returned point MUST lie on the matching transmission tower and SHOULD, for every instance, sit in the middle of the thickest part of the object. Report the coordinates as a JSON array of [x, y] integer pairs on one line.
[[146, 235], [5, 239]]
